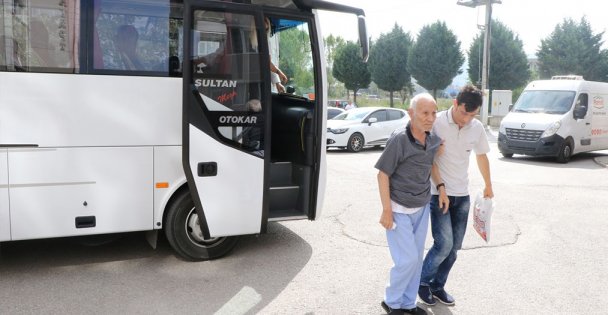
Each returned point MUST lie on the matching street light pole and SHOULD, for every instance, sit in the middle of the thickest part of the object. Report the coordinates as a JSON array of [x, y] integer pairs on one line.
[[485, 72], [485, 68]]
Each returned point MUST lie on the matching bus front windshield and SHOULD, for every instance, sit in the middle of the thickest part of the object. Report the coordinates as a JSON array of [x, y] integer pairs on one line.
[[548, 102]]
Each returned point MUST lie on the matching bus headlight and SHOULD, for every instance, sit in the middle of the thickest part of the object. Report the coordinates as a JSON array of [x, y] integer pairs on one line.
[[338, 131], [552, 129]]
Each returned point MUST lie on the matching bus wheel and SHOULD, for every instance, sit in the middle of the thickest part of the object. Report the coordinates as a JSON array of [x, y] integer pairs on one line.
[[183, 232], [355, 142], [565, 152]]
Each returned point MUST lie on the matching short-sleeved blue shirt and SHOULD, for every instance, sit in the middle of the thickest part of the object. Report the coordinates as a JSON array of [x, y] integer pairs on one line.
[[408, 163]]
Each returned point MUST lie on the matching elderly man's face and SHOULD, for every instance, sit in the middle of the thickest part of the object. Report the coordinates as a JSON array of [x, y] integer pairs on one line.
[[423, 117]]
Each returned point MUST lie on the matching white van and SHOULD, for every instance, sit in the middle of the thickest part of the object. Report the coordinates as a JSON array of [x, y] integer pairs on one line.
[[558, 117]]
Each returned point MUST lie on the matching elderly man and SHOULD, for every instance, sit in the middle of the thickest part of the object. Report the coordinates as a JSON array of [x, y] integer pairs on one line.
[[404, 185]]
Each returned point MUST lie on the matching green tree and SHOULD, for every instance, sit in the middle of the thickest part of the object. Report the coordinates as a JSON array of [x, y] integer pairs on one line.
[[350, 69], [508, 62], [435, 58], [388, 61], [331, 45], [296, 61], [573, 49]]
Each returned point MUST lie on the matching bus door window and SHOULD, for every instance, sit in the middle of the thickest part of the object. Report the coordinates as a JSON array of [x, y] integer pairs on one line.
[[226, 73], [291, 51], [40, 36], [143, 39]]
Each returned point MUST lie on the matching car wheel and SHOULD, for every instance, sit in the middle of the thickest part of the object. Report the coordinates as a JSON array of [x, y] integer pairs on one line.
[[355, 142], [565, 152], [184, 233], [507, 155]]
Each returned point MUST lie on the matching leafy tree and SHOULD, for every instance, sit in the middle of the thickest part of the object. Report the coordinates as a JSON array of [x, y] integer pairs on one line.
[[435, 59], [331, 45], [388, 61], [508, 62], [350, 69], [295, 59], [573, 49]]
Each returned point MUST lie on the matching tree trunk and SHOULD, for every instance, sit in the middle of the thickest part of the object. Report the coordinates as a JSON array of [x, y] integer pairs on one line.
[[391, 96]]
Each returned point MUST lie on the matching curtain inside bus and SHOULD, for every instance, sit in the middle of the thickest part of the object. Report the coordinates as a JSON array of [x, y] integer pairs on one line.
[[39, 35]]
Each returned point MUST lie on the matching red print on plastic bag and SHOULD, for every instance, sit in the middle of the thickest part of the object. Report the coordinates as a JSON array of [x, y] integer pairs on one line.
[[482, 215]]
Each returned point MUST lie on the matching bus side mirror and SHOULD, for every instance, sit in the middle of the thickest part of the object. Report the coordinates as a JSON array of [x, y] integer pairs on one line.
[[363, 37]]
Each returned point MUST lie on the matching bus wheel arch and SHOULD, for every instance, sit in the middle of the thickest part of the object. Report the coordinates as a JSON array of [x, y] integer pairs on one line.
[[182, 230], [565, 151]]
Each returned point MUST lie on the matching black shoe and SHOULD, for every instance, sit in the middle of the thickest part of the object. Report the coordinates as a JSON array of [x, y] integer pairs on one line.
[[444, 297], [390, 310], [426, 296], [416, 310]]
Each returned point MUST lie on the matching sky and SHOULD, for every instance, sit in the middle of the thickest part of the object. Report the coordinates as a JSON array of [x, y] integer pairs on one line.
[[530, 20]]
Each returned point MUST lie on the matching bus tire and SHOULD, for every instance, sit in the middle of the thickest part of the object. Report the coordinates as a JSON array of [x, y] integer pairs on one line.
[[355, 142], [565, 152], [183, 232]]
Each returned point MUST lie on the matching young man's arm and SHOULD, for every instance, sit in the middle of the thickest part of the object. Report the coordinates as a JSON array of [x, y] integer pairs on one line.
[[386, 219], [444, 201], [484, 168]]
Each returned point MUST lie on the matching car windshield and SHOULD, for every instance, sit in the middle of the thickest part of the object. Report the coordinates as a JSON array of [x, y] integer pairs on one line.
[[548, 102], [353, 114]]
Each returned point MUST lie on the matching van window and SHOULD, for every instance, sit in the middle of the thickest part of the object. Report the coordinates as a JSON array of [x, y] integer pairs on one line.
[[548, 102]]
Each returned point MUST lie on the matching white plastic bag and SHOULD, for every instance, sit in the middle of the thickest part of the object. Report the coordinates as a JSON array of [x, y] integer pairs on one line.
[[482, 216]]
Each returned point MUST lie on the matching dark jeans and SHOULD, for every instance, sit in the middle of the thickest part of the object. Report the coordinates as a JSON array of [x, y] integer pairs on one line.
[[448, 232]]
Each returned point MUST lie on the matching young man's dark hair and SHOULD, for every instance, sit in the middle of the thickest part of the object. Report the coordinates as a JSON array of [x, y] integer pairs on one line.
[[471, 97]]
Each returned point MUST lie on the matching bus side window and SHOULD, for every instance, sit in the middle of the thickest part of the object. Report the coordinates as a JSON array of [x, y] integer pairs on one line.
[[43, 37]]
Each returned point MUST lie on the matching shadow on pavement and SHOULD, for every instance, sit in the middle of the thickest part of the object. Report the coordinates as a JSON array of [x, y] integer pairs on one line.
[[129, 277]]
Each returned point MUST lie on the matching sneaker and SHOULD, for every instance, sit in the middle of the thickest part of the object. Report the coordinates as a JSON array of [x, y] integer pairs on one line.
[[444, 297], [425, 295], [390, 310], [415, 310]]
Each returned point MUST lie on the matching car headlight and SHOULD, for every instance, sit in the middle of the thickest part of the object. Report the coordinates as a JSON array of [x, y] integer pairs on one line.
[[552, 129], [337, 131]]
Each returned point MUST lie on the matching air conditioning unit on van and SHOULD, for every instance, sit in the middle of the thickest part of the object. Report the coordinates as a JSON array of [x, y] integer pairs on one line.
[[567, 77]]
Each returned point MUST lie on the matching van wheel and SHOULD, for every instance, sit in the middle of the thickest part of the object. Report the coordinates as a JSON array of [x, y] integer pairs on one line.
[[183, 232], [355, 142], [507, 155], [565, 152]]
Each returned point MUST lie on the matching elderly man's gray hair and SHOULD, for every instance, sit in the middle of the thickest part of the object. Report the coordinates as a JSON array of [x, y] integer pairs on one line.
[[418, 97]]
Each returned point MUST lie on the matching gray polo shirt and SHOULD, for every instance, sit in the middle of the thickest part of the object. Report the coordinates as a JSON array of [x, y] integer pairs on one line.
[[408, 164]]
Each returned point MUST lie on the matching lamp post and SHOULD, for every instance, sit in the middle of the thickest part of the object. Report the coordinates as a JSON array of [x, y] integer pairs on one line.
[[486, 51]]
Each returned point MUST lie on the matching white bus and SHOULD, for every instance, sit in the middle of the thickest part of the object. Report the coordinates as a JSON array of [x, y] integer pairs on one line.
[[142, 115]]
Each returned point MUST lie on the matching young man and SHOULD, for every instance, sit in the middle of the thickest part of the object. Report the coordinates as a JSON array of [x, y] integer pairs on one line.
[[461, 134], [404, 185]]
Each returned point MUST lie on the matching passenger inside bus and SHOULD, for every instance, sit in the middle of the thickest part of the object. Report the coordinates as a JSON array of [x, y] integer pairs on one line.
[[125, 42], [277, 76], [253, 136]]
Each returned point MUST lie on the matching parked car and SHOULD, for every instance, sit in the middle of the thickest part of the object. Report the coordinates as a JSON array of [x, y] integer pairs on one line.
[[338, 103], [364, 126], [333, 112]]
